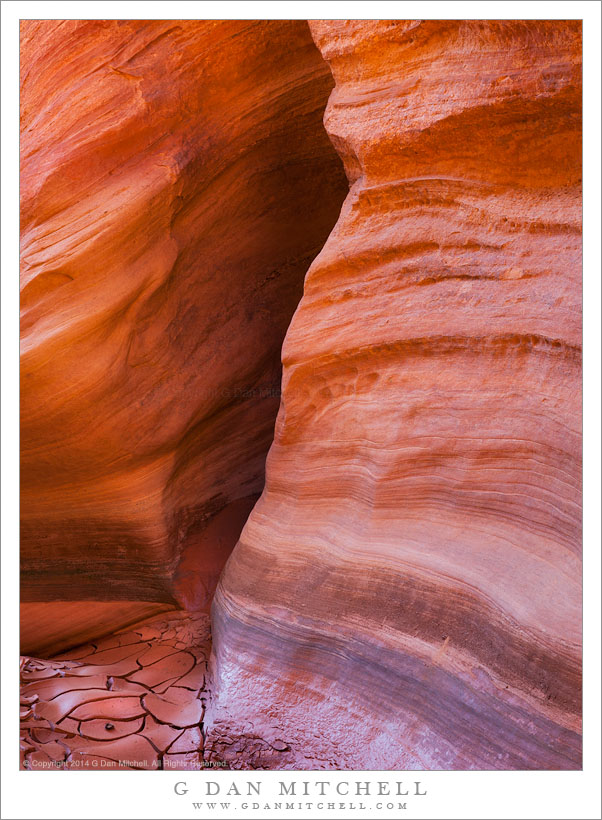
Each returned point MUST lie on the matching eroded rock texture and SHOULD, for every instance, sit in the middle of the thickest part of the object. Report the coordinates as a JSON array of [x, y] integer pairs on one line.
[[176, 183], [406, 593]]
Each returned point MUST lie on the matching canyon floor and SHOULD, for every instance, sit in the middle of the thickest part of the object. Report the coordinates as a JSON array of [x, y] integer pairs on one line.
[[134, 700]]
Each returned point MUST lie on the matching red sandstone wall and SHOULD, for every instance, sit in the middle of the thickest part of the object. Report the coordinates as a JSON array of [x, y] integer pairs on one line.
[[176, 183]]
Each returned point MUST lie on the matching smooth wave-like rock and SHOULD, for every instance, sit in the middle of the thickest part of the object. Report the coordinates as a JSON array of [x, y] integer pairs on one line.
[[176, 183], [48, 627], [406, 593]]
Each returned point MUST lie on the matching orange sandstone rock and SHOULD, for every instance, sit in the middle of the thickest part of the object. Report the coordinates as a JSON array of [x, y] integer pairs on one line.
[[176, 183], [53, 626]]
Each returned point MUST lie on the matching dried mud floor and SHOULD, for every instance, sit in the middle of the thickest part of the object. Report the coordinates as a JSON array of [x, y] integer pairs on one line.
[[133, 700]]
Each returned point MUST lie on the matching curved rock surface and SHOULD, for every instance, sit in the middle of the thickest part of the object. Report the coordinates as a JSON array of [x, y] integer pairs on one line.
[[49, 627], [176, 183], [406, 593]]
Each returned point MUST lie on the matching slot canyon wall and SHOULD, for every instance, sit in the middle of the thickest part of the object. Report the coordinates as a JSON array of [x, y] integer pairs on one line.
[[406, 593], [176, 183]]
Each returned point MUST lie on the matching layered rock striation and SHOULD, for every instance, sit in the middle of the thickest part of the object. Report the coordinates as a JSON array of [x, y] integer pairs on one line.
[[176, 182], [406, 592]]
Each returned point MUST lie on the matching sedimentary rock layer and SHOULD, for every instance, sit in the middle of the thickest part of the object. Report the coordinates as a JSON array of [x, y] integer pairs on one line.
[[176, 183], [406, 593], [49, 627]]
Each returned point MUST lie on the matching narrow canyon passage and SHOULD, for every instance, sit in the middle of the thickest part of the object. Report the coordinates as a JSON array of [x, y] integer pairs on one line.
[[406, 591]]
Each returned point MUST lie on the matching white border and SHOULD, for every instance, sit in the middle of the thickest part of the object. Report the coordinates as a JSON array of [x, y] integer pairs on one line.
[[451, 795]]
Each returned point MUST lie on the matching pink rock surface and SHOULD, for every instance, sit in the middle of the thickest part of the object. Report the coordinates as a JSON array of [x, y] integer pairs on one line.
[[407, 591]]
